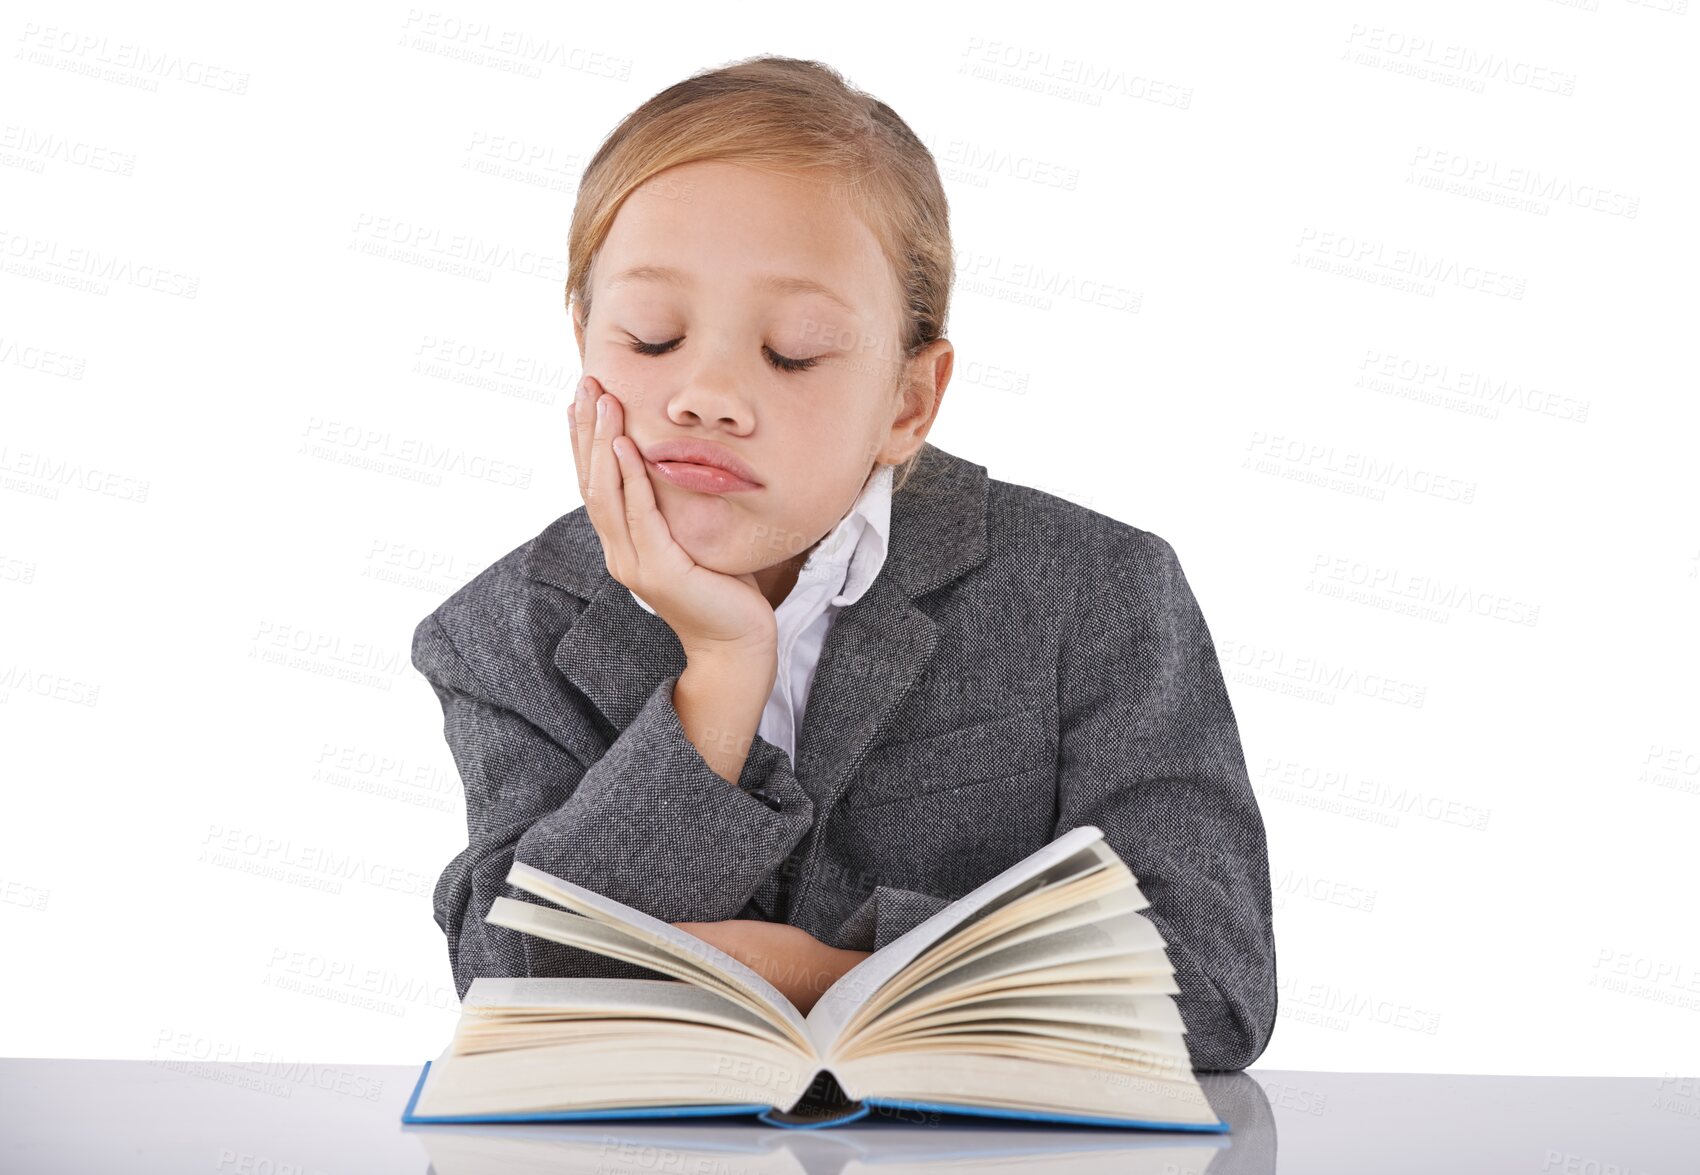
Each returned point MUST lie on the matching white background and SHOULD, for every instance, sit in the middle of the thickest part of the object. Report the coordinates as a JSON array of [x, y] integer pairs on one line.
[[1382, 314]]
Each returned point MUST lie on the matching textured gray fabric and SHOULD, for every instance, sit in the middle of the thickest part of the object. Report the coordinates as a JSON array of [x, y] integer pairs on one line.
[[1021, 666]]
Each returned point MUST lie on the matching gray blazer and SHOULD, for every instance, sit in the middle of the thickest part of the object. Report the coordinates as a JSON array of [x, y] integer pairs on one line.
[[1022, 665]]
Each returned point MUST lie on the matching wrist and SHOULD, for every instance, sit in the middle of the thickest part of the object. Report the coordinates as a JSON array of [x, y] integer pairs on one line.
[[828, 966], [719, 698], [731, 653], [735, 668]]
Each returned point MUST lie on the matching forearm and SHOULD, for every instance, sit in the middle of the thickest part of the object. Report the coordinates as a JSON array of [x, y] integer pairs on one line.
[[649, 822], [805, 975], [719, 698], [801, 966], [653, 825]]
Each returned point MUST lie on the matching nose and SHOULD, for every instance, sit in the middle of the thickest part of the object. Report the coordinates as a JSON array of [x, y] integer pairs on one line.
[[710, 398]]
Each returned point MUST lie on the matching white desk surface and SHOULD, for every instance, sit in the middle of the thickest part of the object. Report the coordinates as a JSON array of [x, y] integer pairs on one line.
[[324, 1119]]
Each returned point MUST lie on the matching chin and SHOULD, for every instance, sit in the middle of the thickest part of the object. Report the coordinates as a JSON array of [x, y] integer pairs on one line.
[[716, 535]]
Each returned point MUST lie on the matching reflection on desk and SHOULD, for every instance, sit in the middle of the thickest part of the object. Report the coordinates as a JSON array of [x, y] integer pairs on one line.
[[179, 1113]]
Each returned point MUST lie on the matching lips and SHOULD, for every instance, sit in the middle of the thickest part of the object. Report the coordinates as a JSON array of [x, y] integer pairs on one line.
[[703, 466]]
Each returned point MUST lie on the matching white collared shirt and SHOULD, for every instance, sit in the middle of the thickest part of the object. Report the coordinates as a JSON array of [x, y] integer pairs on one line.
[[838, 571]]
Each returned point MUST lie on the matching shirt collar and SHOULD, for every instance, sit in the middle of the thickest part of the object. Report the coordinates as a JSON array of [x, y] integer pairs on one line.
[[850, 557], [852, 553]]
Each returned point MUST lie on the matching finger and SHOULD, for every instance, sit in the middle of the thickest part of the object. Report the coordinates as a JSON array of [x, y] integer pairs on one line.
[[584, 438], [575, 433], [605, 488], [644, 521], [579, 416]]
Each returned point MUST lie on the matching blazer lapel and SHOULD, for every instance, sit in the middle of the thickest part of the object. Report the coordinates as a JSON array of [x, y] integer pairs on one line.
[[615, 653], [878, 647]]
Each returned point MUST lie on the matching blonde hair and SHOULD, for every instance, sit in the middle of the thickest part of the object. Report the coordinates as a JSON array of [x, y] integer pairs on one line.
[[794, 117]]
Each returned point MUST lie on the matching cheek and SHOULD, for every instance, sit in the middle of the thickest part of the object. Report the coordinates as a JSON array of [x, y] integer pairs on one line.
[[625, 378]]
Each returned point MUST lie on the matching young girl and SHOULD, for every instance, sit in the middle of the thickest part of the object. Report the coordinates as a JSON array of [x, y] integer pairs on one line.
[[794, 678]]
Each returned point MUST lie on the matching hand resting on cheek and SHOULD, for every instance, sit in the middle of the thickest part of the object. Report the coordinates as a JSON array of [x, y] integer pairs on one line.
[[707, 609], [711, 613]]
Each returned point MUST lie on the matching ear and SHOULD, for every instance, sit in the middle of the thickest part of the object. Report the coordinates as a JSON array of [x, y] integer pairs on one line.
[[573, 309], [922, 384]]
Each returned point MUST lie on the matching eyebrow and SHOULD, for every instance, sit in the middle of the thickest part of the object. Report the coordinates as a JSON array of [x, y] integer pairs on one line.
[[767, 281]]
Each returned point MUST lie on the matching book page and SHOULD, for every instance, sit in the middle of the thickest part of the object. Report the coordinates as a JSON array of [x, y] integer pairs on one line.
[[614, 942], [511, 1008], [1021, 1024], [1140, 1088], [1130, 937], [1034, 915], [857, 985], [653, 1064], [1130, 940], [670, 938], [1125, 1004]]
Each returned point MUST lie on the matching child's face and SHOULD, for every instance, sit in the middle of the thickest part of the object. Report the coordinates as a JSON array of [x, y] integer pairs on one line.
[[811, 436]]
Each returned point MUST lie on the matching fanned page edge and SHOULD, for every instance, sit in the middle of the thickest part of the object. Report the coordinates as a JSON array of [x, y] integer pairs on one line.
[[541, 884], [553, 923], [859, 984]]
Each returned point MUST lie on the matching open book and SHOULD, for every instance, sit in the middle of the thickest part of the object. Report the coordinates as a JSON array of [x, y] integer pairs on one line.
[[1043, 994]]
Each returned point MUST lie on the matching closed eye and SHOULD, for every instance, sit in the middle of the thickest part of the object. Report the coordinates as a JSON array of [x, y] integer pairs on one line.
[[774, 358]]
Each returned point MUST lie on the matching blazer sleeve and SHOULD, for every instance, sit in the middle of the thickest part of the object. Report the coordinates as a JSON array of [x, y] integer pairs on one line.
[[885, 916], [1149, 752], [649, 823]]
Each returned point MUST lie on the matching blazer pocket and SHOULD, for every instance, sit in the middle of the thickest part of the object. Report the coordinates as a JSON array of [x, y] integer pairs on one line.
[[997, 748]]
